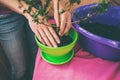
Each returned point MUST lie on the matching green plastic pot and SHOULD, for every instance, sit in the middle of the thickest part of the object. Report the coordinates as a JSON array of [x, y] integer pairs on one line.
[[59, 55]]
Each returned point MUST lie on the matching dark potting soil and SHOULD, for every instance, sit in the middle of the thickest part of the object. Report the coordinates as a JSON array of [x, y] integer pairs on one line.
[[107, 31], [65, 40]]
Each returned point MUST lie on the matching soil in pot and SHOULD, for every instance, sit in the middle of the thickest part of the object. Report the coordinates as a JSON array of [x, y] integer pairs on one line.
[[107, 31], [65, 40]]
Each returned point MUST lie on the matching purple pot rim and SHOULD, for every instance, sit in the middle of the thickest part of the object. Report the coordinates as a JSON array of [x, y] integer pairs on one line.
[[100, 39]]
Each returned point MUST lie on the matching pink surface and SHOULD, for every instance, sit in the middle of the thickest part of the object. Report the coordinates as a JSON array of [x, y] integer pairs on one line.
[[83, 66]]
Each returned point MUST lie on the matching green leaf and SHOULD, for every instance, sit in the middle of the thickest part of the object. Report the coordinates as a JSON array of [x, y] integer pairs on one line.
[[30, 8], [71, 1], [24, 11], [104, 1], [78, 1], [79, 21]]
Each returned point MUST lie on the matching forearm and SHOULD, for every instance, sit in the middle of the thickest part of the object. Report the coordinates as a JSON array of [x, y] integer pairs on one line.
[[14, 5]]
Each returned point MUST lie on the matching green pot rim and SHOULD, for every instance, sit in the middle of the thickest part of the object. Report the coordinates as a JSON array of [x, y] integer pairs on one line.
[[74, 40]]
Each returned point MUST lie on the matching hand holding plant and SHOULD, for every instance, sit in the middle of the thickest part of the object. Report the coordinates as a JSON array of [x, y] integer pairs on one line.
[[44, 33], [37, 19], [62, 14]]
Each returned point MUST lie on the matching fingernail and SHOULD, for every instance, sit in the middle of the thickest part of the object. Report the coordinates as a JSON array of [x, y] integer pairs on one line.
[[60, 34], [66, 34], [55, 46], [43, 43], [58, 41], [50, 46]]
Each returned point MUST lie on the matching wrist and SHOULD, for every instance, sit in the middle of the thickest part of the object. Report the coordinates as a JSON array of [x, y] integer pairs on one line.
[[24, 9]]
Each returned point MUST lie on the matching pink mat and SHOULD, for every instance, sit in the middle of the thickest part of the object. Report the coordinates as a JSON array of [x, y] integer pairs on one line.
[[83, 66]]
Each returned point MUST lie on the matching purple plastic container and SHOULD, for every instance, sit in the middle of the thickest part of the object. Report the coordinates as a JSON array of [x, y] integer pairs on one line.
[[97, 45]]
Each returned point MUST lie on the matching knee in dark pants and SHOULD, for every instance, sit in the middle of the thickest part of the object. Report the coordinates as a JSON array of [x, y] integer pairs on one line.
[[19, 74]]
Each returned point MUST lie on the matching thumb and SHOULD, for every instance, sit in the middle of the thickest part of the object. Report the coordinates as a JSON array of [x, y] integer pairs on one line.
[[56, 12]]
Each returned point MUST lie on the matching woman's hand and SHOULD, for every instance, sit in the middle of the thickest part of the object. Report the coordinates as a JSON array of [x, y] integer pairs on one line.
[[44, 33], [63, 19], [65, 23]]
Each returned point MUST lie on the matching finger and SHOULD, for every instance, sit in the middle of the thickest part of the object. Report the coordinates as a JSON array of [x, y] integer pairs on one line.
[[44, 37], [68, 25], [56, 12], [39, 37], [34, 10], [56, 4], [62, 25], [54, 34], [57, 18], [50, 37]]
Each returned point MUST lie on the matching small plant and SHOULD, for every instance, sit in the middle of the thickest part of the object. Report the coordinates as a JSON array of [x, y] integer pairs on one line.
[[40, 15], [41, 9]]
